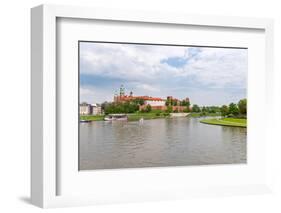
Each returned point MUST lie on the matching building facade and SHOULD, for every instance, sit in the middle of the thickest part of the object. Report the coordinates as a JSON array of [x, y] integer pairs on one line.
[[85, 109], [96, 109], [90, 109]]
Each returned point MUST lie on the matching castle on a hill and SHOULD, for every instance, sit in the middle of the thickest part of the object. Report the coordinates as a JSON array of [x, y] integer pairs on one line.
[[156, 103]]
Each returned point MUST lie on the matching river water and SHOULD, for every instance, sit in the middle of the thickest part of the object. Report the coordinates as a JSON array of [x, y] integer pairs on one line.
[[159, 142]]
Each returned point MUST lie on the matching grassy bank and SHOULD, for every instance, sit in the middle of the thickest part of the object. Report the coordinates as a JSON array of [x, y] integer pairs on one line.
[[92, 117], [199, 114], [131, 117], [234, 122], [146, 115]]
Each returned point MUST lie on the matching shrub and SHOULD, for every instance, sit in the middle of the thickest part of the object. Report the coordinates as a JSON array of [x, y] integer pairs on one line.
[[230, 115]]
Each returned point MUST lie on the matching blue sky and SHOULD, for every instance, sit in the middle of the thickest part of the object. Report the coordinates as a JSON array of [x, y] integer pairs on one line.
[[208, 76]]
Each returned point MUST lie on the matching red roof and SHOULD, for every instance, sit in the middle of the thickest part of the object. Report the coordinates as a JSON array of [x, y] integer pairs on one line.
[[146, 98]]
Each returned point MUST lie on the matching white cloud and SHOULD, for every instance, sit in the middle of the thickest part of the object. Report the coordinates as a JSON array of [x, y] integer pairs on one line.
[[147, 87], [142, 68], [127, 61], [91, 94], [217, 66]]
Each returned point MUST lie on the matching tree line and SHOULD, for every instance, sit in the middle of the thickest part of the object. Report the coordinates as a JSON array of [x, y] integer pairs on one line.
[[231, 110], [126, 107], [175, 102], [235, 110]]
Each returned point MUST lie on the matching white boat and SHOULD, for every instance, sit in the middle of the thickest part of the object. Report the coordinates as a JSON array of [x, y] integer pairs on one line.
[[85, 121], [116, 117]]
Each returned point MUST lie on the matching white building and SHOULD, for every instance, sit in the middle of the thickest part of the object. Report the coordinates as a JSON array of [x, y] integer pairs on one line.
[[85, 109], [90, 109], [96, 109], [155, 102]]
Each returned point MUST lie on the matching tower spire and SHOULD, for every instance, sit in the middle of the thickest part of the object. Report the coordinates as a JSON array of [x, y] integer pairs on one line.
[[122, 90]]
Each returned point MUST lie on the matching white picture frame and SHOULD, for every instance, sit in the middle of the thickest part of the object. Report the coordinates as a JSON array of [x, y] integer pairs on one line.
[[44, 148]]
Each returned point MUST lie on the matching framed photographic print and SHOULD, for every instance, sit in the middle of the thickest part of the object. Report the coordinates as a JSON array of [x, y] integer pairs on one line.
[[150, 107], [130, 105]]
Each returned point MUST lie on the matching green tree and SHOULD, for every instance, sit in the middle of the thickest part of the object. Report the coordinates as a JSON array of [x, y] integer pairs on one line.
[[127, 107], [168, 102], [169, 109], [139, 101], [195, 108], [186, 109], [174, 102], [103, 105], [213, 109], [187, 105], [204, 109], [233, 109], [242, 105], [224, 110], [148, 108]]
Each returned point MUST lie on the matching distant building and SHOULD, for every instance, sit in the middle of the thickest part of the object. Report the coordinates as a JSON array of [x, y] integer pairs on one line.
[[90, 109], [154, 101], [96, 109], [85, 109]]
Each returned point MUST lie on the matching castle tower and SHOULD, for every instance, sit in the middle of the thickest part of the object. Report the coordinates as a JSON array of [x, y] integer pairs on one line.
[[122, 91]]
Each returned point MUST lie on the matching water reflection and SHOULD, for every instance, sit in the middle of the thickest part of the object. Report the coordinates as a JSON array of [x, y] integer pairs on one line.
[[159, 142]]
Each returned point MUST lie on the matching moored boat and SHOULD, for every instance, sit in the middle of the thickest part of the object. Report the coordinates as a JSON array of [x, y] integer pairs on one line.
[[116, 117], [85, 121]]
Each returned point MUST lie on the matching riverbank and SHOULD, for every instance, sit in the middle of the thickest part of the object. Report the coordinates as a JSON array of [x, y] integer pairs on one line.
[[131, 117], [91, 117], [200, 114], [147, 116], [234, 122]]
